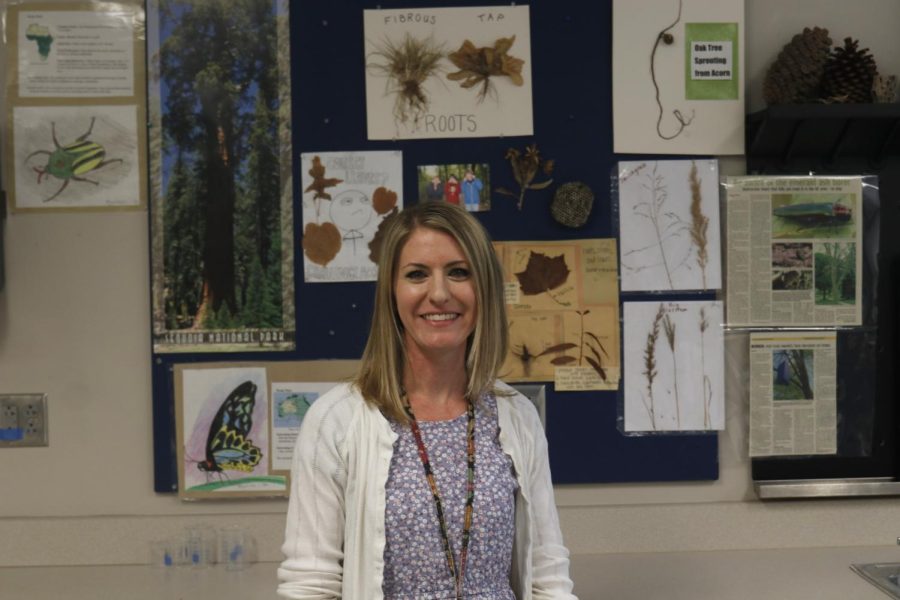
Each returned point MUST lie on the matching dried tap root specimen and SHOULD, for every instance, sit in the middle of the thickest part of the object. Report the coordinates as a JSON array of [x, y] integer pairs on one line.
[[407, 65], [478, 65]]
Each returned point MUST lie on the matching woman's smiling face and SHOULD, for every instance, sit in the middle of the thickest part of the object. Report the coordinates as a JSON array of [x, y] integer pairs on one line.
[[434, 291]]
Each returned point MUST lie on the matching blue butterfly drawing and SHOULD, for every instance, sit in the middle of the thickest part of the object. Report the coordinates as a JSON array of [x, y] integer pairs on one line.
[[227, 444]]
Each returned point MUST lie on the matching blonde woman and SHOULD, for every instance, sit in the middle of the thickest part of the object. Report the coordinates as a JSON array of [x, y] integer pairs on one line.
[[426, 477]]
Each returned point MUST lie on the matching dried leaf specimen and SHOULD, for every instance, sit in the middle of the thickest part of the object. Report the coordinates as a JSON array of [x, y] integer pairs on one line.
[[478, 65], [543, 274], [383, 200], [320, 182], [407, 65], [321, 243], [375, 244], [525, 168]]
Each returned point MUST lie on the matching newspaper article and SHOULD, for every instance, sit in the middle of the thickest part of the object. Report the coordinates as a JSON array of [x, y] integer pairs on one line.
[[793, 393], [794, 251]]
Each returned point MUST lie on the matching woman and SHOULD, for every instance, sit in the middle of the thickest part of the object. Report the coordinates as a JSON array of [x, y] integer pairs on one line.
[[426, 477]]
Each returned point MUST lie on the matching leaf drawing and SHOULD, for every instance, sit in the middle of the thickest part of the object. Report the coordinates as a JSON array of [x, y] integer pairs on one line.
[[543, 274]]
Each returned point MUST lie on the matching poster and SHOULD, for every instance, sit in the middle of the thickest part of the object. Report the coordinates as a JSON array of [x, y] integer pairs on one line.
[[76, 156], [793, 393], [77, 53], [290, 401], [674, 366], [76, 110], [678, 72], [669, 225], [794, 251], [346, 198], [222, 428], [562, 303], [222, 245], [448, 72]]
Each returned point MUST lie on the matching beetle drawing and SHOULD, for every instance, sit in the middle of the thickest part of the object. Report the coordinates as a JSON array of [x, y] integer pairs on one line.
[[72, 161]]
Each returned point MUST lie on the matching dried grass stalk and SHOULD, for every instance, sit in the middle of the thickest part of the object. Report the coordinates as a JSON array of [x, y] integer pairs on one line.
[[650, 363], [699, 221], [669, 328]]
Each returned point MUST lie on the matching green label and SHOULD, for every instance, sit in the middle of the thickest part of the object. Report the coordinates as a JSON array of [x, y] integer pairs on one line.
[[711, 61]]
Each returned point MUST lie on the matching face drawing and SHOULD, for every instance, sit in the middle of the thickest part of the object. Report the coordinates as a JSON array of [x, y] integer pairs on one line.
[[351, 210], [434, 291]]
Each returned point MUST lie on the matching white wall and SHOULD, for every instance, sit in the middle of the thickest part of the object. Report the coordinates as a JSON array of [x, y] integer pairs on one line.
[[74, 322]]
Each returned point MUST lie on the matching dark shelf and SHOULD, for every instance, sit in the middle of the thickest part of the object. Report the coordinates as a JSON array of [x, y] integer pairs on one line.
[[820, 137]]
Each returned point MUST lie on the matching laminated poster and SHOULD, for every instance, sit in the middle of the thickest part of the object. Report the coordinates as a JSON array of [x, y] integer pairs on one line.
[[674, 366], [793, 393], [670, 211], [290, 401], [794, 251], [221, 218], [562, 303]]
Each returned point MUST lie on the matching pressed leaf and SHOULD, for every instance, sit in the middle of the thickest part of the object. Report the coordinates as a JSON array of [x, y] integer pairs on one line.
[[321, 243], [558, 348], [540, 186], [543, 273], [599, 343], [378, 239], [563, 360], [320, 182], [383, 200], [597, 367]]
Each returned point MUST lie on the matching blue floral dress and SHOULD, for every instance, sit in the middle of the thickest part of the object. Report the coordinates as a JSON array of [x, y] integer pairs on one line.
[[415, 567]]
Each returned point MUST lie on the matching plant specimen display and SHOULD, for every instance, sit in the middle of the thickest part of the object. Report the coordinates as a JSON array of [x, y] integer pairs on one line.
[[478, 65], [677, 77], [562, 306], [670, 211], [666, 38], [448, 72], [406, 65], [674, 366], [525, 167], [347, 198]]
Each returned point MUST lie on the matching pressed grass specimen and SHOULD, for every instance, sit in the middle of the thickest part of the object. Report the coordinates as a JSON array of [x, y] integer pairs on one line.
[[706, 383], [669, 329], [699, 221], [650, 364]]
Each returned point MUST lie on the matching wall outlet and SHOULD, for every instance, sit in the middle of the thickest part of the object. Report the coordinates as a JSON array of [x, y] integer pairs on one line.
[[23, 420]]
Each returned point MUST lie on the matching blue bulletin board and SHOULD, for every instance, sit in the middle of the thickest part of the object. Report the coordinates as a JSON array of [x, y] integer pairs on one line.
[[571, 44]]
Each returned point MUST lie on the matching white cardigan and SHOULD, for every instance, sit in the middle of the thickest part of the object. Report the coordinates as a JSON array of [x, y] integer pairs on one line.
[[334, 536]]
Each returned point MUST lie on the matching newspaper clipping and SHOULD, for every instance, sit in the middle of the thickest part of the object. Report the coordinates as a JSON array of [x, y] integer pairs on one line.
[[794, 251], [793, 404]]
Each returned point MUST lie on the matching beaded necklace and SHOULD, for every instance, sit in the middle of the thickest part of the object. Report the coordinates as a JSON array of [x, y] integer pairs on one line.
[[458, 575]]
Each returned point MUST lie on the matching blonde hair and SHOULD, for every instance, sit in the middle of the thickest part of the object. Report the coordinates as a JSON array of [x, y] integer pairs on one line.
[[380, 376]]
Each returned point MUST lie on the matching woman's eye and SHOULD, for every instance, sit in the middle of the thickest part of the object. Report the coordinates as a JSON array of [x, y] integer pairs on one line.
[[459, 273], [416, 275]]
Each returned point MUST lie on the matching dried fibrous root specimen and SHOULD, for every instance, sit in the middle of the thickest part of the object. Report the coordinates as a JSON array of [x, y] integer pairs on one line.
[[478, 65], [525, 168], [407, 65]]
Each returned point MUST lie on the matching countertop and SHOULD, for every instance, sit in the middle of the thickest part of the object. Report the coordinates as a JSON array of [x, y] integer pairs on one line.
[[797, 574]]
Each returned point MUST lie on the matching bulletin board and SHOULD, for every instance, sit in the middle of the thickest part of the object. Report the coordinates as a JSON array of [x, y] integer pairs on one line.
[[570, 65]]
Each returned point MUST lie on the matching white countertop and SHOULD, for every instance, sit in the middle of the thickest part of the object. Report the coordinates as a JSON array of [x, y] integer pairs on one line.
[[794, 574]]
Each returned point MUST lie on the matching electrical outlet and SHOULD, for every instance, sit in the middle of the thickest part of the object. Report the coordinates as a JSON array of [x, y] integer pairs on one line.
[[23, 420]]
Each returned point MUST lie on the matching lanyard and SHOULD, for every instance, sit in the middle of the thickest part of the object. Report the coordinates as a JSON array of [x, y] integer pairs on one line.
[[457, 575]]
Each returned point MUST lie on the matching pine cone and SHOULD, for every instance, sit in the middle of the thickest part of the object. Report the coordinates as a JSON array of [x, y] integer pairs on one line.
[[849, 74], [797, 72]]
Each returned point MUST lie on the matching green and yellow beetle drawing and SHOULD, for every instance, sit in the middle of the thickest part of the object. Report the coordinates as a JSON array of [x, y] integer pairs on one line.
[[72, 161]]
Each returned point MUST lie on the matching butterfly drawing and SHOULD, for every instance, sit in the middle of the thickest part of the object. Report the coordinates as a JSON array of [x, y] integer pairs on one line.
[[227, 444]]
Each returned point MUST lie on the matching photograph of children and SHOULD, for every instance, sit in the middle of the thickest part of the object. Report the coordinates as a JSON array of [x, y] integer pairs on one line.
[[467, 185]]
